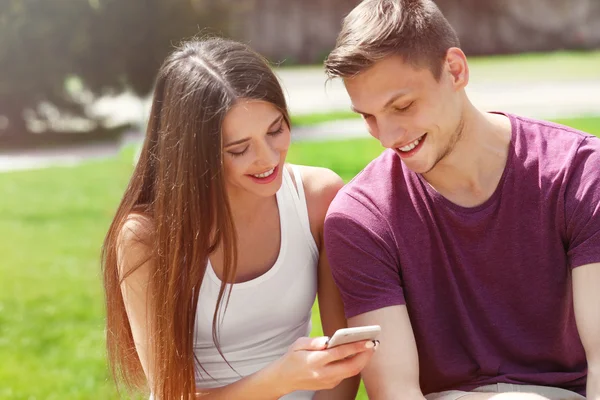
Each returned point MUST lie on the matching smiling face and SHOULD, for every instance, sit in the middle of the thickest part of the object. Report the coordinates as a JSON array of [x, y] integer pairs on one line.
[[408, 110], [256, 139]]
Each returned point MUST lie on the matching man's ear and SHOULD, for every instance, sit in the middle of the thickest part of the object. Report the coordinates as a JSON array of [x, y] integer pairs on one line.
[[457, 66]]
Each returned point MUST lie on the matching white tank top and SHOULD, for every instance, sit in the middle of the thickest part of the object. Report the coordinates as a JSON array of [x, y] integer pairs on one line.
[[267, 314]]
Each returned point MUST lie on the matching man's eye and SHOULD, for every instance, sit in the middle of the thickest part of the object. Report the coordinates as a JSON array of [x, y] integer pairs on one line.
[[403, 109]]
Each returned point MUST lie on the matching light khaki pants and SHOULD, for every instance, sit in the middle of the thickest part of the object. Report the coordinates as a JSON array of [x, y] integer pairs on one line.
[[546, 391]]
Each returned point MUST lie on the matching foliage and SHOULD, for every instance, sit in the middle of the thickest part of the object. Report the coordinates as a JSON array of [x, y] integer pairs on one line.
[[56, 56]]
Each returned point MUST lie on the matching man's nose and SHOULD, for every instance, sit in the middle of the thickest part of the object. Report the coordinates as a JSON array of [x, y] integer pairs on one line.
[[391, 135]]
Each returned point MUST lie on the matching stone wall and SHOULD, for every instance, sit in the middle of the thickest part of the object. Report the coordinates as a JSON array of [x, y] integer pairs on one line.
[[302, 31], [509, 26], [295, 31]]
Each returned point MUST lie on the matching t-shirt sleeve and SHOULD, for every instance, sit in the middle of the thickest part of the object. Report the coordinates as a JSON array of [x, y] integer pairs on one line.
[[582, 205], [362, 262]]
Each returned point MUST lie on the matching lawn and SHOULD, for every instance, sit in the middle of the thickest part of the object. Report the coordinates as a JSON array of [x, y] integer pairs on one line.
[[587, 124], [532, 67], [319, 118], [52, 222]]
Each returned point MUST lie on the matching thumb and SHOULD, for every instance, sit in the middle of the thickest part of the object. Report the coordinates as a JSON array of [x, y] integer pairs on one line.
[[306, 343]]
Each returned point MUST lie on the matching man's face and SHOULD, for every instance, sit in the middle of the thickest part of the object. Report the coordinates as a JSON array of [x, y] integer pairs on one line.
[[408, 110]]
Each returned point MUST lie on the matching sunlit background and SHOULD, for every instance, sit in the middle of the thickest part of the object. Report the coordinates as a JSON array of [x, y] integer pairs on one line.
[[75, 79]]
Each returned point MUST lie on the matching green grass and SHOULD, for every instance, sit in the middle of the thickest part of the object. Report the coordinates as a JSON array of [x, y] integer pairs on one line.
[[586, 124], [346, 158], [555, 66], [52, 223], [319, 118], [51, 313]]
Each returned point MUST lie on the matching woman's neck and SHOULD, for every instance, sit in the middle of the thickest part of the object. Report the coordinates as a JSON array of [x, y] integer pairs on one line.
[[248, 207]]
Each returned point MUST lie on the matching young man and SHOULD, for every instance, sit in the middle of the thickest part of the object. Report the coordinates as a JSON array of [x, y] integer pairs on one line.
[[474, 240]]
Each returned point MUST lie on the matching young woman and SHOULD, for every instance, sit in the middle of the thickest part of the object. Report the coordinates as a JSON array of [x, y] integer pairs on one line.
[[215, 255]]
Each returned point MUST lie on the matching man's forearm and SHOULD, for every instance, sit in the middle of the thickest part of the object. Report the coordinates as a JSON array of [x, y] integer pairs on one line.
[[393, 392], [593, 381]]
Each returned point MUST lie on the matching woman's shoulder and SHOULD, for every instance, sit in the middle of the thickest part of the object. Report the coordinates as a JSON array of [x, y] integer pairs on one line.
[[320, 184], [320, 187], [136, 227], [134, 242]]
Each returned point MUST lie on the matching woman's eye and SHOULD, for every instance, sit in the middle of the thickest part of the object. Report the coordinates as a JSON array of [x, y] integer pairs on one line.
[[277, 132], [239, 153]]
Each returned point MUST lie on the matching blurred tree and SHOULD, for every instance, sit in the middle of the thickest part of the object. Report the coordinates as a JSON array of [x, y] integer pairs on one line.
[[110, 45], [35, 41]]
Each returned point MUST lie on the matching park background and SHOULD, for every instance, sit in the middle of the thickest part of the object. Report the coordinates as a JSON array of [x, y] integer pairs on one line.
[[75, 79]]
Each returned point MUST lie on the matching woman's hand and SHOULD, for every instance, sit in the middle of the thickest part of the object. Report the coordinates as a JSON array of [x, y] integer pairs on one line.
[[309, 365]]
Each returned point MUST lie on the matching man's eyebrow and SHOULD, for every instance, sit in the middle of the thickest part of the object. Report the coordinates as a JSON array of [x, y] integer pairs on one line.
[[395, 96], [390, 101]]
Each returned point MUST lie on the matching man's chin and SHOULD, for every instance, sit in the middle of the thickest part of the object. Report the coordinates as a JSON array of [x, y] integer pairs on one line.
[[418, 167]]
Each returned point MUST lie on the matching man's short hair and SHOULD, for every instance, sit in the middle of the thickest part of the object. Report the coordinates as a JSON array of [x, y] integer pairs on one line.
[[415, 30]]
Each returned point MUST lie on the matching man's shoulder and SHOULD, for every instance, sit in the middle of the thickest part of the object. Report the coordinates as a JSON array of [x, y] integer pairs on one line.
[[548, 132], [551, 148], [366, 192]]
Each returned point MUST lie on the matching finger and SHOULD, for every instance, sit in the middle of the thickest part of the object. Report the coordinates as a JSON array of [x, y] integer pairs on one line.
[[346, 350], [350, 366], [306, 343]]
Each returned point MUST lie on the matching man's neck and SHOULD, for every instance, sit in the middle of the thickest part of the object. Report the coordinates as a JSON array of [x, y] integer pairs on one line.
[[470, 174]]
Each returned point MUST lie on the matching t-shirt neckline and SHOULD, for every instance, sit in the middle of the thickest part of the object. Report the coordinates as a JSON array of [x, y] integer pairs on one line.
[[496, 194]]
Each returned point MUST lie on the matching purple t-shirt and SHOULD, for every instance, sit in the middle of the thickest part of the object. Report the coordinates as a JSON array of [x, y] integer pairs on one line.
[[488, 288]]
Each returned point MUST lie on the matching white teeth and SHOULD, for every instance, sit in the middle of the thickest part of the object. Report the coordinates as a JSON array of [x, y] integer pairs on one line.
[[411, 146], [265, 174]]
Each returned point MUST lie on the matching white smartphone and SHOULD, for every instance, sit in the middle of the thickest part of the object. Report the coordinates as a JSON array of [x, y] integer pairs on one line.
[[351, 335]]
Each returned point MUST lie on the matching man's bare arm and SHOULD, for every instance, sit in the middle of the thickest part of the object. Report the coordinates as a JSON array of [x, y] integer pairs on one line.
[[586, 299], [393, 372]]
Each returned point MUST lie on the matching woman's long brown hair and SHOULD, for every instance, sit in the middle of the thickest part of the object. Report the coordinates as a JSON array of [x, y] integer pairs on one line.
[[178, 183]]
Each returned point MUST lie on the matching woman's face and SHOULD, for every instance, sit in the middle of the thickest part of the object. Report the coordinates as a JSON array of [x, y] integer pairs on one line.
[[256, 139]]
